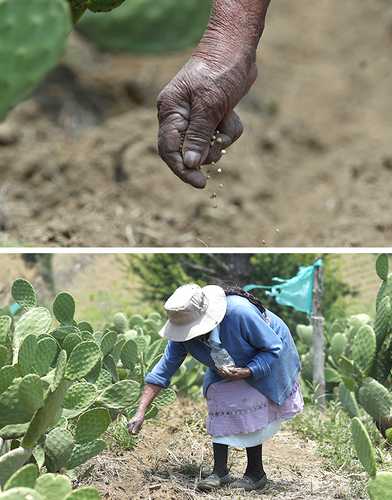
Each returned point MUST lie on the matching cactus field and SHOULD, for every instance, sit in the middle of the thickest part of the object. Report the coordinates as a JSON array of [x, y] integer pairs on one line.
[[87, 140], [62, 385], [68, 387]]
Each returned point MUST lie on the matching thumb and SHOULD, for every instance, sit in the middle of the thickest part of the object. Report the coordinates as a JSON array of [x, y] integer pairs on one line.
[[197, 140]]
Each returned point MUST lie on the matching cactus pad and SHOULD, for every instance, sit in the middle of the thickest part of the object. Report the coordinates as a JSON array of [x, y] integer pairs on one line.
[[7, 374], [380, 488], [348, 401], [64, 308], [21, 400], [36, 321], [20, 493], [382, 266], [375, 399], [60, 370], [46, 352], [83, 452], [25, 477], [47, 416], [82, 360], [27, 354], [120, 322], [59, 444], [27, 55], [363, 447], [5, 326], [4, 356], [108, 341], [92, 424], [23, 293], [71, 341], [51, 486], [104, 380], [338, 345], [120, 395], [110, 366], [364, 348], [382, 324], [11, 462], [78, 398], [129, 354]]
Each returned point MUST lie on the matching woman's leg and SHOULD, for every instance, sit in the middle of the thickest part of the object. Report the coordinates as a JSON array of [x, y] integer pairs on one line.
[[255, 469], [221, 452]]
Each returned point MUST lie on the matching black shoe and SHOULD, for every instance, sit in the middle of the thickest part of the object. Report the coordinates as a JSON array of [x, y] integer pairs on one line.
[[249, 484], [213, 481]]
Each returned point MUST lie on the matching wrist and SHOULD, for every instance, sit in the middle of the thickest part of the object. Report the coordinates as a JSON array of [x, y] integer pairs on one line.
[[235, 27]]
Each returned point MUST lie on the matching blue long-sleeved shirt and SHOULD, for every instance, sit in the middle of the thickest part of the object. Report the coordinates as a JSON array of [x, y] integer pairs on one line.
[[265, 347]]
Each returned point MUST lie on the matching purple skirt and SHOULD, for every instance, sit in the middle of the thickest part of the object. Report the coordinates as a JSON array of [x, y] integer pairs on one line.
[[235, 407]]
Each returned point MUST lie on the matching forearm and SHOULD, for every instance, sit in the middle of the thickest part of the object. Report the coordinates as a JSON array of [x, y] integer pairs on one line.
[[235, 26], [150, 392]]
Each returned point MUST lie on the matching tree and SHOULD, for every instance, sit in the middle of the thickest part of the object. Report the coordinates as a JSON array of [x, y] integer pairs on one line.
[[161, 274]]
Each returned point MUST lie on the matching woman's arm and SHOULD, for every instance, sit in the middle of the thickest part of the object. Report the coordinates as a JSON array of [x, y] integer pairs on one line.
[[202, 96], [150, 392], [263, 338], [158, 378]]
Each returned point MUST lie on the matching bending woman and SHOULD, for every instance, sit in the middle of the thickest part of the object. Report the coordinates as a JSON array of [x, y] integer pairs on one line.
[[251, 384]]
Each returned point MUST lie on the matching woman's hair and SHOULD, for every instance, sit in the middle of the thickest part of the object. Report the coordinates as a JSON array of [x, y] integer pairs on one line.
[[252, 299]]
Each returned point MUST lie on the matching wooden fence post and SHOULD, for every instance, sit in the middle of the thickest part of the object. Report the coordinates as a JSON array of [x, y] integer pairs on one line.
[[318, 338]]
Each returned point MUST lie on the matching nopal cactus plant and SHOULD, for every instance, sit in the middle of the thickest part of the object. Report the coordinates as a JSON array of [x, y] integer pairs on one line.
[[33, 36], [370, 354], [61, 385], [380, 483]]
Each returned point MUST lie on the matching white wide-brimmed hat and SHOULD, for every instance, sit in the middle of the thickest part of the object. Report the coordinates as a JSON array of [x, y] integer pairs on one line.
[[193, 311]]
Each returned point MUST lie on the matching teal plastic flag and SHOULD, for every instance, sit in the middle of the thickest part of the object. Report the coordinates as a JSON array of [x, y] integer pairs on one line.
[[296, 292]]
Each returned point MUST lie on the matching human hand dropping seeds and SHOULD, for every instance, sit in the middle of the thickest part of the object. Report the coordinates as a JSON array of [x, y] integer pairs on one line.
[[201, 98]]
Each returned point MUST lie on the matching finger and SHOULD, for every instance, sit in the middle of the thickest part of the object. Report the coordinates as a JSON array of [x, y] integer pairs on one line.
[[230, 130], [171, 130], [197, 141]]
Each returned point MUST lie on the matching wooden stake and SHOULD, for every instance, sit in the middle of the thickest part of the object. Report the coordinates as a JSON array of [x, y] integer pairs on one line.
[[318, 338]]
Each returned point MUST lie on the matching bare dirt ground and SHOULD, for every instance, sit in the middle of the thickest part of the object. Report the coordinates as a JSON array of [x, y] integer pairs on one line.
[[175, 452], [80, 166]]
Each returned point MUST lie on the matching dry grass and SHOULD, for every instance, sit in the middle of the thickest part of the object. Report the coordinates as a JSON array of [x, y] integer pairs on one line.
[[174, 452]]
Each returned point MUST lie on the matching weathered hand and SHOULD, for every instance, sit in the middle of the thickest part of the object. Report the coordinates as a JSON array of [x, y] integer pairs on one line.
[[201, 98], [234, 373], [197, 102], [135, 425]]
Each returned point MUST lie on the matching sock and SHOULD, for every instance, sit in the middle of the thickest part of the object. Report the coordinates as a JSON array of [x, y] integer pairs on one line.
[[255, 469], [221, 452]]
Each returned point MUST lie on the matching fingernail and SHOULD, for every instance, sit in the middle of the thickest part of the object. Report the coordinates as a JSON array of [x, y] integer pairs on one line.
[[192, 159]]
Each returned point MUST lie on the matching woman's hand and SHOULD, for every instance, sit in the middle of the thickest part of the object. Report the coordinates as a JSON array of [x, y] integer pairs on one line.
[[201, 98], [234, 373], [135, 425]]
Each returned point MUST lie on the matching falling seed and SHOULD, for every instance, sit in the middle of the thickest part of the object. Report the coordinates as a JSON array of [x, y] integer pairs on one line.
[[213, 196], [213, 163], [221, 185], [263, 242], [277, 230], [208, 176], [219, 140], [214, 137], [223, 151], [219, 170]]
